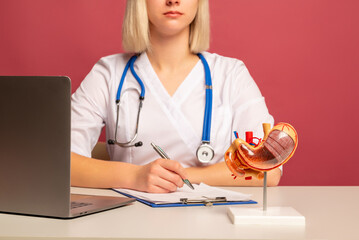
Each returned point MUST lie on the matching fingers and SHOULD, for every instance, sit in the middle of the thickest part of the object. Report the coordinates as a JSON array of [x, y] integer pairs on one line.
[[173, 166], [167, 173], [162, 176]]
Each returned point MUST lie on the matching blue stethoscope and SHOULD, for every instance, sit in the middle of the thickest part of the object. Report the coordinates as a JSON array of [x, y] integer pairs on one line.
[[205, 152]]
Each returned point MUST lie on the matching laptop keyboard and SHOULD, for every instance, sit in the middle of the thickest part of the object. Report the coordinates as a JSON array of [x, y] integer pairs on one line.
[[79, 204]]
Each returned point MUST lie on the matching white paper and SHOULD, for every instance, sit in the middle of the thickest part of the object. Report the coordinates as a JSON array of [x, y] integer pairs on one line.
[[200, 192]]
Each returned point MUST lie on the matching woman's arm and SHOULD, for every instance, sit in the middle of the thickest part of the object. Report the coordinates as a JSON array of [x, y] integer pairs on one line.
[[158, 176], [219, 175], [89, 172]]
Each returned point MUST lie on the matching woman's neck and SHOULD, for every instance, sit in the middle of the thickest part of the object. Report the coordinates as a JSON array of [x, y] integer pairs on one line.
[[171, 58], [169, 52]]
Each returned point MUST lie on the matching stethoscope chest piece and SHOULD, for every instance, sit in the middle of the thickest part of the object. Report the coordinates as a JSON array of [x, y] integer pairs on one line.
[[205, 153]]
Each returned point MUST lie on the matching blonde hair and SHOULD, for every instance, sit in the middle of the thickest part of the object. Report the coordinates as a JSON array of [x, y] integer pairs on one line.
[[136, 33]]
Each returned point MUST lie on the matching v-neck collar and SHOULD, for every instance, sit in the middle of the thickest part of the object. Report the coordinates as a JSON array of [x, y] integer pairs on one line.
[[172, 105], [182, 91]]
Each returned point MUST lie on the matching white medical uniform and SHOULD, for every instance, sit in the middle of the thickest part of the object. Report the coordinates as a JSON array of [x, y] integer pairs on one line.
[[172, 122]]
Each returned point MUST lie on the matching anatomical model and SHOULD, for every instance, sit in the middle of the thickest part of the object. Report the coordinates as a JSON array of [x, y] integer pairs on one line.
[[276, 148]]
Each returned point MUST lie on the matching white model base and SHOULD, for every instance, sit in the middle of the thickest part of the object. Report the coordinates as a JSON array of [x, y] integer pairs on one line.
[[273, 215]]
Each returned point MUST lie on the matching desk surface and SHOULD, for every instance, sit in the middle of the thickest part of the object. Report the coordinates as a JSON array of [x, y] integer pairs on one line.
[[331, 213]]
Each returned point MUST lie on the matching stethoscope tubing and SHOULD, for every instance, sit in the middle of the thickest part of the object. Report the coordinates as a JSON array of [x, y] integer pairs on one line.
[[130, 65], [206, 131], [143, 91]]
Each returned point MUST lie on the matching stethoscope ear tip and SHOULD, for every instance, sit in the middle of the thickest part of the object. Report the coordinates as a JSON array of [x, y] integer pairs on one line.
[[138, 144], [112, 142]]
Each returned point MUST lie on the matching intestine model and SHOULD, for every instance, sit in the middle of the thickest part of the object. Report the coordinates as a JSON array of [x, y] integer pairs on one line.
[[247, 159]]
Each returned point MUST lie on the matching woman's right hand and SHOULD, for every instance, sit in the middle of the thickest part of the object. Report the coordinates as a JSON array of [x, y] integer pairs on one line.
[[160, 176]]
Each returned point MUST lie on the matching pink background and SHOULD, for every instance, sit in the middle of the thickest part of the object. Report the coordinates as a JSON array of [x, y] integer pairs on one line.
[[303, 54]]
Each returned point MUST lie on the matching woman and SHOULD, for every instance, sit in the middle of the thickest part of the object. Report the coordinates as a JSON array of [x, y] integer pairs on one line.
[[166, 35]]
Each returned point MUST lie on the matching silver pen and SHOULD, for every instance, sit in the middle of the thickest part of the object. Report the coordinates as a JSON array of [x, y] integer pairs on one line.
[[165, 156]]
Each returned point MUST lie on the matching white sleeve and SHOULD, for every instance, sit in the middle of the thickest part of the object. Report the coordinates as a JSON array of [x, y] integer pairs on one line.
[[248, 105], [89, 109]]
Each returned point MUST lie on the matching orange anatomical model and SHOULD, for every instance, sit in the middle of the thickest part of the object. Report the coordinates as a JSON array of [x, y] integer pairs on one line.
[[276, 148]]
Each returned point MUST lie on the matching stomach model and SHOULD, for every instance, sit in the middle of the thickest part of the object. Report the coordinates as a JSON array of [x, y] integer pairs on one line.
[[276, 148]]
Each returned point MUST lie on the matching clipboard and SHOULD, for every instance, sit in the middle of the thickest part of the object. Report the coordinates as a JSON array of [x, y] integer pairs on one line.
[[188, 202]]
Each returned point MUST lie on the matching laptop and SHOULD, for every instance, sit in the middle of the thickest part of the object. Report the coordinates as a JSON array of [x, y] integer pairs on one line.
[[35, 120]]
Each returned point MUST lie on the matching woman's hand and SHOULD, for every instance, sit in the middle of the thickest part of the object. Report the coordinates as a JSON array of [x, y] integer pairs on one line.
[[160, 176]]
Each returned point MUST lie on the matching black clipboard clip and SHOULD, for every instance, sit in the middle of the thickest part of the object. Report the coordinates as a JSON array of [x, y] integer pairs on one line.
[[207, 202]]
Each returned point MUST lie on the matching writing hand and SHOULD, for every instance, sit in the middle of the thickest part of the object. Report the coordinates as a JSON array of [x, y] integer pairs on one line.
[[160, 176]]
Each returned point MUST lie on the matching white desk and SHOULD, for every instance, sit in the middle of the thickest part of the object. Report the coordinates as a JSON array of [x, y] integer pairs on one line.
[[331, 213]]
